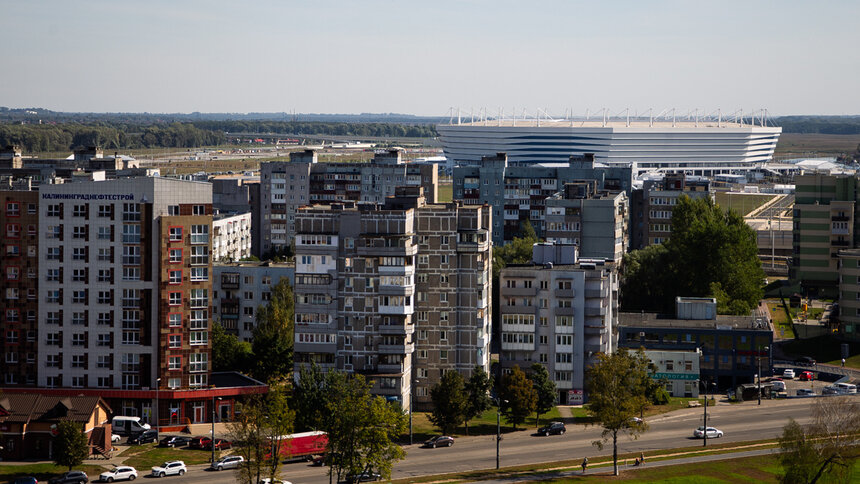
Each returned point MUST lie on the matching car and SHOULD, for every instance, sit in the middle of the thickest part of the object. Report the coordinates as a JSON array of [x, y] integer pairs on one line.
[[269, 480], [713, 433], [145, 437], [788, 373], [830, 390], [805, 361], [805, 392], [439, 441], [227, 462], [170, 468], [552, 428], [318, 460], [174, 441], [365, 476], [76, 477], [115, 438], [806, 376], [24, 480], [122, 473], [220, 444], [199, 443]]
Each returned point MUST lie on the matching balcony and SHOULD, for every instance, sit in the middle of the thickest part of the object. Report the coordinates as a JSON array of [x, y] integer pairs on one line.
[[396, 290], [395, 329], [595, 293], [396, 309], [391, 369], [518, 346], [564, 293], [840, 218], [518, 328], [564, 311], [839, 231], [398, 349], [595, 311], [396, 270], [593, 329], [840, 243], [564, 367], [519, 291]]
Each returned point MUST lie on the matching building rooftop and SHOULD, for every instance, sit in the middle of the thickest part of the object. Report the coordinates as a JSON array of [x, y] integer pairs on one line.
[[613, 122], [654, 320]]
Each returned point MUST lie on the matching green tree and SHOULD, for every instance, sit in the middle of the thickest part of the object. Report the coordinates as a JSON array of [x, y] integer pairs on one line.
[[478, 394], [257, 434], [228, 353], [273, 337], [310, 395], [615, 395], [361, 428], [518, 397], [709, 253], [825, 450], [70, 444], [449, 402], [545, 389]]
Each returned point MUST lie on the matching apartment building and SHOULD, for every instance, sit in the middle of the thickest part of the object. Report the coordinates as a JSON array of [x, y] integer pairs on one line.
[[825, 215], [518, 192], [238, 194], [19, 280], [594, 220], [398, 292], [849, 293], [286, 186], [240, 288], [651, 207], [231, 236], [559, 311]]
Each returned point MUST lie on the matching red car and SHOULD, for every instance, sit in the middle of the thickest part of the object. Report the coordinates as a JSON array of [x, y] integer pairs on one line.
[[199, 443], [806, 376], [220, 444]]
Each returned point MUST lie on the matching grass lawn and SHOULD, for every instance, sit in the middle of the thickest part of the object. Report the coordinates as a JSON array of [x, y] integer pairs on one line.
[[749, 469], [143, 457], [780, 320], [740, 202], [822, 348], [850, 362], [43, 472]]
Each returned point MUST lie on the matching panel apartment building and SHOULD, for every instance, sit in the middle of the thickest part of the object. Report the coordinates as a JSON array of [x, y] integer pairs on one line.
[[122, 297], [651, 207], [825, 222], [399, 293], [241, 288], [559, 311], [518, 192], [286, 186], [593, 220]]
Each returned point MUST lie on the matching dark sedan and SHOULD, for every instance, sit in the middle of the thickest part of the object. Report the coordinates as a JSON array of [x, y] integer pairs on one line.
[[144, 437], [552, 428], [439, 441], [71, 477], [174, 441]]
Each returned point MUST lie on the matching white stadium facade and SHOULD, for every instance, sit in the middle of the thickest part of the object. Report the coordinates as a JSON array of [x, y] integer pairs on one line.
[[694, 147]]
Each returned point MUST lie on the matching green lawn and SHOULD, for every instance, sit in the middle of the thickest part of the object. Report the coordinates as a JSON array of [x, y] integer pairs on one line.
[[780, 320], [43, 472], [143, 457], [850, 362], [749, 469], [822, 348], [741, 203]]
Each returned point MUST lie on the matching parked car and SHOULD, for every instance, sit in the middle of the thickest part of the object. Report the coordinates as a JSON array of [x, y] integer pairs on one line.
[[788, 373], [268, 480], [76, 477], [144, 437], [805, 392], [115, 438], [713, 433], [805, 361], [228, 462], [778, 385], [318, 460], [171, 468], [24, 480], [363, 477], [806, 376], [830, 390], [199, 443], [174, 441], [439, 441], [124, 473], [552, 428], [220, 444]]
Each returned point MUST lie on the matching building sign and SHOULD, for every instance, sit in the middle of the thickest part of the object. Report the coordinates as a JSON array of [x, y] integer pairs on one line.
[[675, 376], [574, 397], [86, 196]]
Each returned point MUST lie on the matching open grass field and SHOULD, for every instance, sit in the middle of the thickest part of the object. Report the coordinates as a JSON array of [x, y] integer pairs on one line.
[[741, 202], [781, 320], [750, 469], [797, 145], [144, 457], [824, 348], [43, 472]]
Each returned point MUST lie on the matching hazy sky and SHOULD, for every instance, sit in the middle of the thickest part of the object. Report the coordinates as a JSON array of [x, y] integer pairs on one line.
[[423, 57]]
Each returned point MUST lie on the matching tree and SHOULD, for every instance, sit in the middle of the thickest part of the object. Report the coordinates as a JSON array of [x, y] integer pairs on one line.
[[449, 402], [518, 397], [257, 434], [273, 336], [545, 389], [361, 428], [310, 395], [710, 253], [615, 395], [228, 353], [826, 448], [478, 394], [70, 444]]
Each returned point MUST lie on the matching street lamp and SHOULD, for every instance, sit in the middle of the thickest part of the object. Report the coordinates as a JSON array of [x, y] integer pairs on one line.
[[411, 398], [157, 384], [498, 428], [766, 349], [212, 443], [705, 418]]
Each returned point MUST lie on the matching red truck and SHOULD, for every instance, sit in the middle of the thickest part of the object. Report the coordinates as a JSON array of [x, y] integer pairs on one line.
[[304, 445]]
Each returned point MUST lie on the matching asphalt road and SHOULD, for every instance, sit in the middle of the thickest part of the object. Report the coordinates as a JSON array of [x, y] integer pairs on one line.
[[740, 422]]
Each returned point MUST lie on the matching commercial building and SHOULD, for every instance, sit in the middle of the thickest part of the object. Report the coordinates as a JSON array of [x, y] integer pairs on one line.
[[825, 215], [518, 192], [231, 236], [240, 289], [559, 311], [680, 371], [596, 221], [398, 292], [651, 207], [698, 147], [286, 186], [731, 347]]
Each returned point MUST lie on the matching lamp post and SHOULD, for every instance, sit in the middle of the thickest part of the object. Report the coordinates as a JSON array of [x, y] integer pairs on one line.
[[411, 398], [705, 418], [212, 443], [766, 348], [498, 428], [157, 385]]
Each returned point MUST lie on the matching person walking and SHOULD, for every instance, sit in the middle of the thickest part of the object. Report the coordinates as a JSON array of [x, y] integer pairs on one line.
[[584, 464], [642, 457], [843, 362]]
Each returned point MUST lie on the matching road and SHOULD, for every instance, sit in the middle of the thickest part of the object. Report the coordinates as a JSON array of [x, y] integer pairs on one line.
[[740, 422]]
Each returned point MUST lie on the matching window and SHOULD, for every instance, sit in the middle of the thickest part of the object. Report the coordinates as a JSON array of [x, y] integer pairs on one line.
[[200, 255], [13, 251], [196, 381], [130, 234], [131, 273], [54, 296], [443, 335], [79, 318], [105, 254], [105, 275], [174, 277], [53, 317], [105, 297], [104, 233], [199, 338], [198, 210], [11, 357], [174, 299], [79, 211], [175, 256], [199, 319], [51, 339], [199, 298], [79, 232], [443, 354], [175, 234], [13, 231], [198, 362], [12, 273], [173, 210], [79, 275], [174, 383], [105, 210], [105, 318], [79, 253], [131, 255], [130, 212], [52, 361], [174, 341], [199, 273], [54, 253], [13, 209], [12, 316], [564, 285], [77, 361], [79, 339], [199, 234], [174, 320], [103, 382], [103, 339], [54, 210]]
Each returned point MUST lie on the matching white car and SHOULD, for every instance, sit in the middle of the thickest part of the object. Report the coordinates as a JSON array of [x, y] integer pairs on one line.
[[713, 433], [115, 438], [269, 480], [805, 392], [123, 473], [788, 373], [228, 462], [172, 468]]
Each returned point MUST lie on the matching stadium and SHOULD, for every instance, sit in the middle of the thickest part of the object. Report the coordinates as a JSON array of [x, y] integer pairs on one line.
[[703, 146]]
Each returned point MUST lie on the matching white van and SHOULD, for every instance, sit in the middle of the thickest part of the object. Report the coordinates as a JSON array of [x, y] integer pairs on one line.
[[778, 385], [845, 388], [128, 426]]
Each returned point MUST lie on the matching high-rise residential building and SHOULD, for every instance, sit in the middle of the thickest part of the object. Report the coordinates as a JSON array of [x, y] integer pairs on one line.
[[231, 236], [240, 288], [237, 194], [594, 220], [399, 292], [518, 192], [849, 293], [825, 215], [286, 186], [559, 311], [651, 207]]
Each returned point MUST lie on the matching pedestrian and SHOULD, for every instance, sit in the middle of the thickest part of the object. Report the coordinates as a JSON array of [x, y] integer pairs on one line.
[[843, 362], [584, 464], [642, 457]]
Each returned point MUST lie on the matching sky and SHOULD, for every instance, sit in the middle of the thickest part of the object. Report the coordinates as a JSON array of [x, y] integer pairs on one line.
[[427, 57]]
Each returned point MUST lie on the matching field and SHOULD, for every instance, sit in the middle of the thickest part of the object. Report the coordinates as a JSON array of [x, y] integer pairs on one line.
[[741, 203], [43, 472], [796, 145]]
